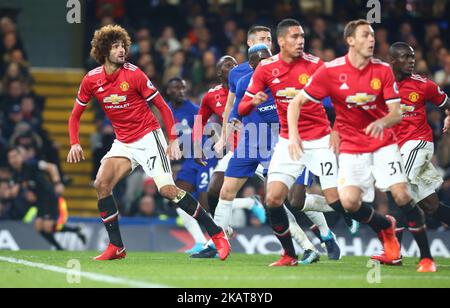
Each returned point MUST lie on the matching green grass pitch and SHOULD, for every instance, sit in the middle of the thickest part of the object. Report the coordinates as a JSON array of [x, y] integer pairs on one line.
[[178, 270]]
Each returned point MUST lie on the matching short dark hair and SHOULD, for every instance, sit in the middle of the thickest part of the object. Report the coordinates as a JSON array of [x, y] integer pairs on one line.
[[286, 24], [396, 47], [351, 27], [174, 79], [255, 29]]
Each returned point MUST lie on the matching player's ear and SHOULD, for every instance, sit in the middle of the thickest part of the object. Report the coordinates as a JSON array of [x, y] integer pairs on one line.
[[350, 41]]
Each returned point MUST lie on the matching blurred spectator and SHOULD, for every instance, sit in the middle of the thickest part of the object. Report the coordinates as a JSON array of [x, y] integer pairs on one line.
[[442, 77], [176, 67], [147, 207], [168, 36]]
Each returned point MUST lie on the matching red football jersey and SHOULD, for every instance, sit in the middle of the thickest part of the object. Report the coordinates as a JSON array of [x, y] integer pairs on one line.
[[285, 81], [416, 91], [214, 102], [359, 98], [123, 97]]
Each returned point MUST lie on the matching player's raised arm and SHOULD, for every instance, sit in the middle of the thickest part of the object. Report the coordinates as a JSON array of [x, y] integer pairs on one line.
[[76, 153]]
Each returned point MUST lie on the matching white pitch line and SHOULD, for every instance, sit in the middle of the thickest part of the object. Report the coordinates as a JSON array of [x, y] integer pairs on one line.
[[91, 276]]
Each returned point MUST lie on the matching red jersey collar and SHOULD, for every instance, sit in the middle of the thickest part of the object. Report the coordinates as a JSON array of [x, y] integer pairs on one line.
[[347, 60]]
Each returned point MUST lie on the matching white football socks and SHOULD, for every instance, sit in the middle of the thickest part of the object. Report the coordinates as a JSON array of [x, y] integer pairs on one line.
[[223, 213], [297, 233], [243, 203], [319, 220], [316, 203]]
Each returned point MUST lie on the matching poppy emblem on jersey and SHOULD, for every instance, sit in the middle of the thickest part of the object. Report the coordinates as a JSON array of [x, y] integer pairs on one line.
[[407, 108], [289, 93], [275, 72], [303, 79], [375, 84], [217, 97], [124, 86], [343, 78], [114, 99], [414, 97], [360, 99]]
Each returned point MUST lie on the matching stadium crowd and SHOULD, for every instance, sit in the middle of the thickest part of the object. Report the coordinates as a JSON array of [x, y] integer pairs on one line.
[[189, 47], [20, 116]]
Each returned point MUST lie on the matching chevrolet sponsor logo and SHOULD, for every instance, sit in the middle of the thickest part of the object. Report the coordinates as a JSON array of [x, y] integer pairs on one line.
[[407, 108], [361, 99], [114, 99], [289, 93]]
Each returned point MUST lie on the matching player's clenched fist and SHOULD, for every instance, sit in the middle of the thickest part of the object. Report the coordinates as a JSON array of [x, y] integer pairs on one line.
[[76, 154], [259, 98], [295, 149]]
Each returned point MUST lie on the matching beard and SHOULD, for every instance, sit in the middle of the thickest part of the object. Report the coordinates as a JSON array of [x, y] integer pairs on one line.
[[117, 61]]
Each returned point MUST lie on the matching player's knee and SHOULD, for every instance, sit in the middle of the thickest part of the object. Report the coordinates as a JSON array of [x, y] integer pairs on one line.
[[331, 195], [401, 196], [103, 187], [227, 193], [350, 202], [169, 192], [274, 200]]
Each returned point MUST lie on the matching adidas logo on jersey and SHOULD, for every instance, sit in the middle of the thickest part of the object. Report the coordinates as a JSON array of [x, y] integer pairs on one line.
[[276, 80], [218, 104], [100, 90], [344, 87]]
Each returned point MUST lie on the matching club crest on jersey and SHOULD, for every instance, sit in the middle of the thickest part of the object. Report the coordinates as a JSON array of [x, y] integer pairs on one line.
[[361, 99], [303, 79], [124, 86], [414, 97], [114, 99], [289, 93], [407, 108], [375, 84]]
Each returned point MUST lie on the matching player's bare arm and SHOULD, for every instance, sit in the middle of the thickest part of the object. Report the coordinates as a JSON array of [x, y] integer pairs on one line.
[[376, 129], [295, 142], [76, 153]]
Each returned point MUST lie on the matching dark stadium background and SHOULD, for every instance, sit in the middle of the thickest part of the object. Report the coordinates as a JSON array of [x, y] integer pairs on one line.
[[43, 59]]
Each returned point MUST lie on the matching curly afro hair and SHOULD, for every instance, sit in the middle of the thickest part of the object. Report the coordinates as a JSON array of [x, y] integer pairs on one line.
[[104, 39]]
